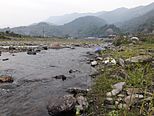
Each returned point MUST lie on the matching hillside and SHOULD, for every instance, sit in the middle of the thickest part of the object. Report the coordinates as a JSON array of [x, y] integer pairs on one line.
[[76, 28], [124, 14], [82, 26], [61, 20], [116, 16], [140, 23], [39, 29]]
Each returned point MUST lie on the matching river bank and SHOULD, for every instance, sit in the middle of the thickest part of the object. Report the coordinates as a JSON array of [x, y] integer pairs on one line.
[[124, 83]]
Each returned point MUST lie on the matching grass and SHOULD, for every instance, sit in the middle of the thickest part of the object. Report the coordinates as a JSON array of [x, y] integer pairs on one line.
[[130, 51], [140, 76], [48, 41]]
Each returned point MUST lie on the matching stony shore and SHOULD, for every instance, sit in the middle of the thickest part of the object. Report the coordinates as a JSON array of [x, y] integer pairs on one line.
[[124, 83]]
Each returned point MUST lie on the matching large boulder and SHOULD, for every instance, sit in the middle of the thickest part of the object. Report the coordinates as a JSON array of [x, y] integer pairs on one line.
[[139, 59], [6, 79], [134, 39], [82, 104], [76, 90], [117, 88], [63, 106]]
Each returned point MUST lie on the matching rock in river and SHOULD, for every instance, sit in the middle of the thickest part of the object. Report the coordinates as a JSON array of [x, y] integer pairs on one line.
[[75, 90], [31, 52], [6, 79], [64, 106], [63, 77], [94, 63]]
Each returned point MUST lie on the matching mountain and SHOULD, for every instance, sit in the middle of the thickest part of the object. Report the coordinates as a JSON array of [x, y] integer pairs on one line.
[[123, 14], [147, 26], [76, 28], [61, 20], [143, 23], [39, 29], [80, 26], [116, 16]]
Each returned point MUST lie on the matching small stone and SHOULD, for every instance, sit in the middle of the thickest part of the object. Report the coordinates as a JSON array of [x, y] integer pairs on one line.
[[134, 39], [131, 91], [6, 79], [94, 63], [31, 52], [5, 59], [121, 62], [109, 60], [108, 94], [109, 101], [119, 99], [121, 95], [75, 90], [99, 58], [82, 103], [117, 89], [115, 92], [45, 47], [63, 77], [119, 85], [133, 98], [116, 102], [122, 106], [139, 96]]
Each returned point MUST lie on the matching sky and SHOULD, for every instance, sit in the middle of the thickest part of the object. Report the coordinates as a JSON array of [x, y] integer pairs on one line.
[[25, 12]]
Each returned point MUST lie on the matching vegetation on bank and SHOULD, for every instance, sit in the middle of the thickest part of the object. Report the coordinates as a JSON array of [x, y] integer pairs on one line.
[[136, 75]]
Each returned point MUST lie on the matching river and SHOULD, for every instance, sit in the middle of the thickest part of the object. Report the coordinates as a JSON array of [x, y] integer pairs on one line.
[[34, 86]]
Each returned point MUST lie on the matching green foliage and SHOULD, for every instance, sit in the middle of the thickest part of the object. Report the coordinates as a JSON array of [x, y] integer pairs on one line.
[[121, 40], [148, 38]]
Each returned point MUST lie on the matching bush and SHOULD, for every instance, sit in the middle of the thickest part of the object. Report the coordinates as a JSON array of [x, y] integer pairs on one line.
[[121, 40]]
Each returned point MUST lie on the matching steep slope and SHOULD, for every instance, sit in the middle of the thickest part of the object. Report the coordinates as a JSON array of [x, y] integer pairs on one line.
[[61, 20], [113, 17], [123, 14], [147, 27], [139, 23], [76, 28], [80, 26]]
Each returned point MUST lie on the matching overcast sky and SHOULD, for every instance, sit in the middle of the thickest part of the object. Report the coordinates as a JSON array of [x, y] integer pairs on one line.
[[25, 12]]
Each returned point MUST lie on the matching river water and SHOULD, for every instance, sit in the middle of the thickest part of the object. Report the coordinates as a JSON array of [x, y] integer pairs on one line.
[[34, 86]]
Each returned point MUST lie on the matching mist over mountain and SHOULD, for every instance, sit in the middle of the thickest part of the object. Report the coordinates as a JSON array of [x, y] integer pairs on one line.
[[112, 17], [82, 25], [139, 19], [61, 20], [143, 23], [76, 28]]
